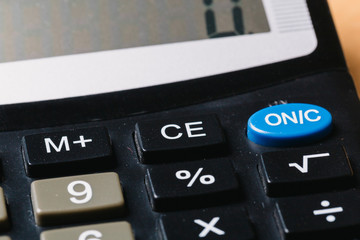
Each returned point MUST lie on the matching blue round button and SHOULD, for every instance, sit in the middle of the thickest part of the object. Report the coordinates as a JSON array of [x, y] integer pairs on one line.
[[289, 125]]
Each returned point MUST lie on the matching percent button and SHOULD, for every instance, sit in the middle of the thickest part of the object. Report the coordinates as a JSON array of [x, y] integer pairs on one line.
[[205, 179], [192, 184]]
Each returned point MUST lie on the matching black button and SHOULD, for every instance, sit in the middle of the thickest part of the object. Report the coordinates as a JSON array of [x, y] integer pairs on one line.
[[185, 138], [228, 223], [67, 152], [305, 170], [323, 216], [192, 184]]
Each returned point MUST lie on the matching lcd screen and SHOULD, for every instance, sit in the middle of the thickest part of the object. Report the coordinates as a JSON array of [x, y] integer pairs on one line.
[[31, 29]]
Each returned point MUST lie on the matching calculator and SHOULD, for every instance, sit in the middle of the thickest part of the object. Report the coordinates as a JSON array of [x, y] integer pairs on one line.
[[176, 120]]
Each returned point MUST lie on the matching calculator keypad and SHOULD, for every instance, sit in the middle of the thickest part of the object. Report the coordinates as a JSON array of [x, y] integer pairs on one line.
[[106, 231], [77, 198], [190, 191]]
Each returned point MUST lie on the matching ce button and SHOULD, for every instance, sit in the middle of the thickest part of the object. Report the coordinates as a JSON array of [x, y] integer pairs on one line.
[[186, 138]]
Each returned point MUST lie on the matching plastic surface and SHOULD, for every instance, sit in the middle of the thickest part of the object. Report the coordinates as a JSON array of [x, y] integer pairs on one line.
[[289, 125]]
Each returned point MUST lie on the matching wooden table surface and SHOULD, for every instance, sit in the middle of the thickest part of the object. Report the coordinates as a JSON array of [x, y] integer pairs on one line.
[[346, 14]]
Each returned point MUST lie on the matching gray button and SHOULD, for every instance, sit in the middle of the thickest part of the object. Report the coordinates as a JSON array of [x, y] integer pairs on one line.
[[78, 198], [4, 220], [107, 231]]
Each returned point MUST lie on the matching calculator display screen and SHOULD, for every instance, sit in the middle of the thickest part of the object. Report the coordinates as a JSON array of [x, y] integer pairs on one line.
[[56, 49], [42, 28]]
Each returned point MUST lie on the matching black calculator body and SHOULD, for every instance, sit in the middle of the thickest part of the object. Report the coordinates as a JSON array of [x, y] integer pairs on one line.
[[96, 144]]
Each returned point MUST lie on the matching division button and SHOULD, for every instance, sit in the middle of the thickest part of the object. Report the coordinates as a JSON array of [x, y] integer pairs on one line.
[[307, 170], [290, 124], [167, 139], [228, 223], [67, 152], [330, 216], [191, 184], [77, 198], [106, 231]]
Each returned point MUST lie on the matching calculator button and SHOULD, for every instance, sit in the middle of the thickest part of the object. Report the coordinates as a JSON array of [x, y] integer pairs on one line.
[[191, 184], [4, 220], [323, 216], [305, 170], [5, 238], [290, 124], [167, 139], [67, 152], [228, 223], [106, 231], [77, 198]]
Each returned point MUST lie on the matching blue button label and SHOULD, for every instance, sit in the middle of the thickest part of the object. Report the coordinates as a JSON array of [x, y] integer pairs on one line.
[[289, 125]]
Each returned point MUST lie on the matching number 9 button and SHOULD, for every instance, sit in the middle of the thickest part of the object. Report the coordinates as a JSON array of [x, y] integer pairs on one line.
[[78, 198]]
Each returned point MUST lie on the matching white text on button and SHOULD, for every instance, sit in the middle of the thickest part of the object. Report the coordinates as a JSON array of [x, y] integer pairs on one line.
[[274, 119], [193, 130], [305, 167], [64, 143], [90, 235]]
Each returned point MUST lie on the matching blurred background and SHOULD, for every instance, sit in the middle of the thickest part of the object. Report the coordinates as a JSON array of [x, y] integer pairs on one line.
[[346, 14]]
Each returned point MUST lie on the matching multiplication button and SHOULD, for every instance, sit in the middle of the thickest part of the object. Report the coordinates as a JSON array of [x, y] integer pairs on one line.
[[228, 223], [323, 216], [306, 170], [65, 152], [191, 184], [164, 140], [77, 198]]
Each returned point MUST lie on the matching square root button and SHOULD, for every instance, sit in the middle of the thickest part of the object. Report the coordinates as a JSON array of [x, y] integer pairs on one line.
[[192, 137], [306, 170]]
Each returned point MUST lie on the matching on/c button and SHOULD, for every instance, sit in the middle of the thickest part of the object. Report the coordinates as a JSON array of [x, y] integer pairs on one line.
[[192, 137], [289, 125]]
